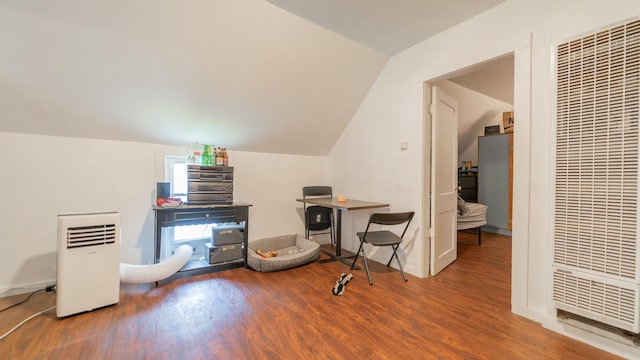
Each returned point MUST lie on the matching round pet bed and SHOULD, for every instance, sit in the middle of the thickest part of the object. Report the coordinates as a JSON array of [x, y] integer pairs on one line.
[[293, 250]]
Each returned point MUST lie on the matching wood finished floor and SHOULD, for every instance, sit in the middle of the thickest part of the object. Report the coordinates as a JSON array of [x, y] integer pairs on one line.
[[463, 313]]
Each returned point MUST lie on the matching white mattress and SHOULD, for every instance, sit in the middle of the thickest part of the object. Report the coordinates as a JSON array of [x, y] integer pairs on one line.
[[475, 217]]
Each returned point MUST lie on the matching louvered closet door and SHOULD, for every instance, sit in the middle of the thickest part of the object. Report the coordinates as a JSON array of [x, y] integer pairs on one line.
[[595, 249]]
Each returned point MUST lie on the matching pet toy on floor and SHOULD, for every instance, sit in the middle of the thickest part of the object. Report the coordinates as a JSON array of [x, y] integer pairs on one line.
[[267, 254], [341, 284]]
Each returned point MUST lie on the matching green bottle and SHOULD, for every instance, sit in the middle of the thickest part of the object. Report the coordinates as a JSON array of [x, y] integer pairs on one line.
[[206, 157]]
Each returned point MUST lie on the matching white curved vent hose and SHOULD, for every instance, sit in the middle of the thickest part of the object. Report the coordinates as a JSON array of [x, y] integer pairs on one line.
[[142, 274]]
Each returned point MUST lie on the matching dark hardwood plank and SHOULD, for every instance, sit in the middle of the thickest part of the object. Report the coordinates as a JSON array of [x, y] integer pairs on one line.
[[463, 313]]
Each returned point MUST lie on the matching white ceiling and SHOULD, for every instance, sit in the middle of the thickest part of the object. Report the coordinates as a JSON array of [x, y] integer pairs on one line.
[[494, 78], [244, 74], [388, 26]]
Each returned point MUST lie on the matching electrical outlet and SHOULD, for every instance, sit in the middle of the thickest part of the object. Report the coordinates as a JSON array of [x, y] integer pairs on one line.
[[404, 145]]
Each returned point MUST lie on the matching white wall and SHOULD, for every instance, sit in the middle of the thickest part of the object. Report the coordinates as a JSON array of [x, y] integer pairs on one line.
[[366, 162], [475, 111], [43, 176]]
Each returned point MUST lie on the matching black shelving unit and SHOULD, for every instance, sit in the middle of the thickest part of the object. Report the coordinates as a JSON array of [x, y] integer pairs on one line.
[[468, 184]]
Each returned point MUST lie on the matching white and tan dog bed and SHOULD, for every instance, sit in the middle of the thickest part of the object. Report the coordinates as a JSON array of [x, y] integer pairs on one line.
[[293, 250]]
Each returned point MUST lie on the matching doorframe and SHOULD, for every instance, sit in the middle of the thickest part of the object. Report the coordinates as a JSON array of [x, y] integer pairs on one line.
[[521, 176]]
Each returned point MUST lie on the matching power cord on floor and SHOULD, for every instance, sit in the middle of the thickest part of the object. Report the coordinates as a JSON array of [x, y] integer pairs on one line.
[[23, 301], [50, 288], [31, 288], [25, 321]]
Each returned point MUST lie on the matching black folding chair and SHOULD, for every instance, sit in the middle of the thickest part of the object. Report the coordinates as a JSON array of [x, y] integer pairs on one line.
[[383, 237], [318, 218]]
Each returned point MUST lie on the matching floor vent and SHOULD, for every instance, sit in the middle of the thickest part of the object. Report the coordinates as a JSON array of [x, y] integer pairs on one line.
[[599, 328]]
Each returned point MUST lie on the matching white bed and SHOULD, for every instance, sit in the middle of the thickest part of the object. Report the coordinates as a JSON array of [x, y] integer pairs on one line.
[[471, 216]]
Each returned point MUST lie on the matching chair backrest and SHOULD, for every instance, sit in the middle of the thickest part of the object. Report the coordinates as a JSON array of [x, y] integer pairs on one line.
[[316, 191], [391, 219], [317, 217]]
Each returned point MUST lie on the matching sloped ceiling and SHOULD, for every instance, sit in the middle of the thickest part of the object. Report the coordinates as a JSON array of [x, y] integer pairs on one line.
[[494, 79], [244, 74], [388, 26]]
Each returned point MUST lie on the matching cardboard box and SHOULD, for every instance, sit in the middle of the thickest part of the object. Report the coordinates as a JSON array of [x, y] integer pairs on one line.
[[507, 121]]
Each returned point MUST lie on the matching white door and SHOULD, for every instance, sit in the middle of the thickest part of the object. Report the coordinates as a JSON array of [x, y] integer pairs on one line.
[[444, 166]]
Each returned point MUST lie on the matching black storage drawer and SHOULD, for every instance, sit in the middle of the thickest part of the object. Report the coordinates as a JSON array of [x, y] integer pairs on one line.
[[210, 176], [209, 198], [210, 169], [468, 195], [226, 253], [468, 181], [227, 235], [206, 186], [218, 215], [210, 173], [468, 187]]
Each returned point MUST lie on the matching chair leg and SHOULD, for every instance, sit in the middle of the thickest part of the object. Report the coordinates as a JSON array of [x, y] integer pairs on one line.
[[392, 255], [306, 226], [357, 253], [398, 260], [366, 266], [480, 236]]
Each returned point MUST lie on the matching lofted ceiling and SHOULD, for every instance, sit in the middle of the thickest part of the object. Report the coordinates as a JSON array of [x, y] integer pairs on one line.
[[252, 75], [494, 78], [388, 26]]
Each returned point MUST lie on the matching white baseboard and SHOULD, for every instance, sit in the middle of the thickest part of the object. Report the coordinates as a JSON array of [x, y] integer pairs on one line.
[[594, 336], [25, 288]]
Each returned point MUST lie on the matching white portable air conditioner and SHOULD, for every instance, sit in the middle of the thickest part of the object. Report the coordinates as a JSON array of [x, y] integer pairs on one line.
[[88, 262]]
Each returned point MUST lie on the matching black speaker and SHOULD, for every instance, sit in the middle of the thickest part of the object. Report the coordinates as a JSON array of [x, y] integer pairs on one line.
[[163, 190]]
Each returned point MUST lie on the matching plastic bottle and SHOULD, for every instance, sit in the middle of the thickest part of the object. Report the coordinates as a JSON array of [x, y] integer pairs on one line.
[[191, 157], [196, 154]]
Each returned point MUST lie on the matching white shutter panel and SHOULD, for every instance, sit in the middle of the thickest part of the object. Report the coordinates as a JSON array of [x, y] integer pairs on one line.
[[595, 251]]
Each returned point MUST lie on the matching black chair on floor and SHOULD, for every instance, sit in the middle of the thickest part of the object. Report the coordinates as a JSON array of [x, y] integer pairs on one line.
[[318, 219], [383, 237]]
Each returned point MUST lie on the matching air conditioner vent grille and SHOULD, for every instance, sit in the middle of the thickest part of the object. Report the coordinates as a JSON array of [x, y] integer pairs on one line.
[[91, 235], [595, 297]]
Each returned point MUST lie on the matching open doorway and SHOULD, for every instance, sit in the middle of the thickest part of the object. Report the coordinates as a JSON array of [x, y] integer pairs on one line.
[[484, 94], [521, 258], [485, 139]]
